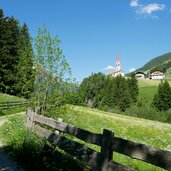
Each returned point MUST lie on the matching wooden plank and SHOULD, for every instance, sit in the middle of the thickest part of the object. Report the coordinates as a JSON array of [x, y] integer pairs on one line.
[[84, 135], [118, 167], [81, 152], [161, 158]]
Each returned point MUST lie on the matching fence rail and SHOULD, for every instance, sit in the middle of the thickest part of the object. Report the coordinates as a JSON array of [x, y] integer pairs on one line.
[[8, 105], [98, 161]]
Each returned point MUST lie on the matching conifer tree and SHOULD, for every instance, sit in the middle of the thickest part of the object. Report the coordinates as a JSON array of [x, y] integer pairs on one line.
[[25, 73], [162, 100], [9, 58], [133, 88], [121, 95]]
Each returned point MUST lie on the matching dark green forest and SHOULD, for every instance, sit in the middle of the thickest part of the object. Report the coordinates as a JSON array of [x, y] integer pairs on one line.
[[16, 57], [101, 91]]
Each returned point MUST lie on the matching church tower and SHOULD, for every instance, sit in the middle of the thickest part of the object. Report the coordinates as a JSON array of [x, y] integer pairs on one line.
[[117, 71]]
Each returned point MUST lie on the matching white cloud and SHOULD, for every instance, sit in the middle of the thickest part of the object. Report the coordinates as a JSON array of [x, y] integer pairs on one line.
[[134, 3], [150, 8], [109, 67], [146, 10], [132, 69]]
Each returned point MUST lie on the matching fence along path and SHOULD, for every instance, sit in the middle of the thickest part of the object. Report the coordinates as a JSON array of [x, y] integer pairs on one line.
[[7, 105], [98, 161]]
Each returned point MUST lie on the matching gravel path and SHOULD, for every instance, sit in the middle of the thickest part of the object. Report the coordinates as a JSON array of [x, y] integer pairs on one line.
[[6, 163]]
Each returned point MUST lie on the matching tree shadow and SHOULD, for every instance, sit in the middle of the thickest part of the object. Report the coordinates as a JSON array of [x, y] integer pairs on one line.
[[33, 157], [6, 163]]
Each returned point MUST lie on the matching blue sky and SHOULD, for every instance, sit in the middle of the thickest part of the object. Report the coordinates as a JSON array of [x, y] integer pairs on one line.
[[94, 32]]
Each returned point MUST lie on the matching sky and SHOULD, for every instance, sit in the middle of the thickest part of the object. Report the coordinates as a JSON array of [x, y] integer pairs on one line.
[[95, 32]]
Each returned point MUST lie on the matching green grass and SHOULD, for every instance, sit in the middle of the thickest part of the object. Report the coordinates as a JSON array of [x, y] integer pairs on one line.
[[30, 151], [151, 133], [147, 90], [148, 83], [146, 94], [13, 131], [9, 98]]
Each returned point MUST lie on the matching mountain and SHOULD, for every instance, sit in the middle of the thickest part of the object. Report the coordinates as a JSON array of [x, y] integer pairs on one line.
[[162, 62]]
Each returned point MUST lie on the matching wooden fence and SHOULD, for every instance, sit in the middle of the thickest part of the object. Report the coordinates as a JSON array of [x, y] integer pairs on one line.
[[98, 161], [8, 105]]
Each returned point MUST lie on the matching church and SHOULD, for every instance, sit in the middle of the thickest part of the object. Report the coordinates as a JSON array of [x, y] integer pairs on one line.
[[117, 70]]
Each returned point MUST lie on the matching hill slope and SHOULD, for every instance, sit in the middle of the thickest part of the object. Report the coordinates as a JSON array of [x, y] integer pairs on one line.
[[161, 62]]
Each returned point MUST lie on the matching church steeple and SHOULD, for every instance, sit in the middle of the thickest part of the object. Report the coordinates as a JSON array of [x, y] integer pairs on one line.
[[118, 65], [117, 71], [117, 61]]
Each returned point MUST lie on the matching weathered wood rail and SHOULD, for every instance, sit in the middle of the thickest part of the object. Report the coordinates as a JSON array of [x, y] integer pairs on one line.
[[8, 105], [98, 161]]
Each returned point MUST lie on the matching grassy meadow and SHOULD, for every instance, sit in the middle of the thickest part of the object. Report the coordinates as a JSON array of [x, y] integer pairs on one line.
[[152, 133]]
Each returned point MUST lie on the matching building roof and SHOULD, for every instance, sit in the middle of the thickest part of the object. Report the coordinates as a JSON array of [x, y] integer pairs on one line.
[[140, 72]]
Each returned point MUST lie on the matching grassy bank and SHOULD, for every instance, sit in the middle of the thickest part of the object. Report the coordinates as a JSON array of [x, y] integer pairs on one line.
[[9, 98]]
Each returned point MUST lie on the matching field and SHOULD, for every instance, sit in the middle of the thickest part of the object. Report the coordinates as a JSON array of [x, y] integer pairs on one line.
[[152, 133]]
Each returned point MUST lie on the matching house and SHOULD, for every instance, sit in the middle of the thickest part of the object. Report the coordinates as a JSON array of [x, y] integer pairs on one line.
[[157, 75], [140, 75], [117, 70]]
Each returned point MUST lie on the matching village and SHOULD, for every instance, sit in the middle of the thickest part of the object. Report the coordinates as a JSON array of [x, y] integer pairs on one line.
[[155, 74]]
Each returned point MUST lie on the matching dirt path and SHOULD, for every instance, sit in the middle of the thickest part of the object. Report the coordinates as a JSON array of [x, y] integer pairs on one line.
[[6, 163]]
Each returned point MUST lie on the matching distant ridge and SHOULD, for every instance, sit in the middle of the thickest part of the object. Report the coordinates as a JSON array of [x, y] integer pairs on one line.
[[162, 62]]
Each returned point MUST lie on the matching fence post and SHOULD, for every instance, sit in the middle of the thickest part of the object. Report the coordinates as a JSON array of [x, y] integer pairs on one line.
[[106, 152], [30, 119]]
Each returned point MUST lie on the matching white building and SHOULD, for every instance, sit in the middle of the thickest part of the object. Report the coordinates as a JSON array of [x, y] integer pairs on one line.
[[140, 75], [157, 75]]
